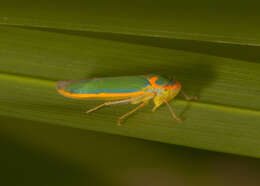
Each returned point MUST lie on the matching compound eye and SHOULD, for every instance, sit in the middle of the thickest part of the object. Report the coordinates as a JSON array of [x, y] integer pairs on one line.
[[172, 81]]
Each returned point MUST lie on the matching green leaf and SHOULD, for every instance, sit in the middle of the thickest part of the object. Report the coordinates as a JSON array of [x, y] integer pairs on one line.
[[225, 118], [223, 21]]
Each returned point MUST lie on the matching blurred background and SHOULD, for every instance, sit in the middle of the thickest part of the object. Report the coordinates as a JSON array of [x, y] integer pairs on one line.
[[42, 154]]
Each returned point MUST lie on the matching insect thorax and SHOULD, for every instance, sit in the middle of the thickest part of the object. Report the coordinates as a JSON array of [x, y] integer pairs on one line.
[[157, 91]]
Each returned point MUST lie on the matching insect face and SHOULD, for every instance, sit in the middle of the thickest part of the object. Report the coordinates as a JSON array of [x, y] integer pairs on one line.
[[172, 90]]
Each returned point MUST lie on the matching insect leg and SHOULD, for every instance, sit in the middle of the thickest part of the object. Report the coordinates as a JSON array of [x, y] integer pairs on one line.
[[111, 103], [188, 98], [172, 112], [131, 112], [145, 101]]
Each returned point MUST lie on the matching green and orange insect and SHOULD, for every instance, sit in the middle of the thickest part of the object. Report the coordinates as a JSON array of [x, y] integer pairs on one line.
[[127, 89]]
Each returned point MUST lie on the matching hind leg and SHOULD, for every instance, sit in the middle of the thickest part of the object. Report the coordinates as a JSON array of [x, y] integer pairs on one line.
[[111, 103], [131, 112]]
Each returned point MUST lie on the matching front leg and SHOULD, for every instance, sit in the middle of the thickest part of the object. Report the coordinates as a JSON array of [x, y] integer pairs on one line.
[[189, 98], [158, 100]]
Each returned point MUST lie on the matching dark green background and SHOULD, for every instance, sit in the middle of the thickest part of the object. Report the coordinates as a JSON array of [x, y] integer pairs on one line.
[[41, 154]]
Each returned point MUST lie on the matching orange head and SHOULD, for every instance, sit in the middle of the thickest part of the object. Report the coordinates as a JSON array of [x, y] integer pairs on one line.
[[172, 89], [167, 89]]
